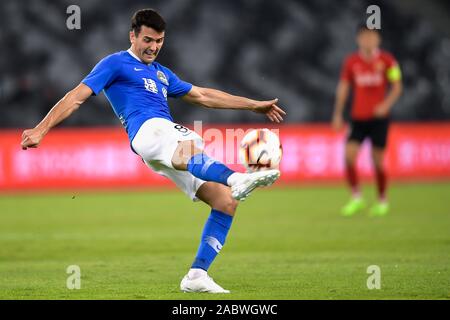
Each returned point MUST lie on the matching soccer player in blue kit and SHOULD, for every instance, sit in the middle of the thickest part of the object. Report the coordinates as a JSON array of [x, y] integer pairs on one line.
[[137, 88]]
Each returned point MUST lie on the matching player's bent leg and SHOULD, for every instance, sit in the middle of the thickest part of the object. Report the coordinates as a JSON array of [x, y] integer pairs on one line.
[[183, 153], [191, 158], [188, 157], [218, 197], [381, 208], [356, 202], [223, 207]]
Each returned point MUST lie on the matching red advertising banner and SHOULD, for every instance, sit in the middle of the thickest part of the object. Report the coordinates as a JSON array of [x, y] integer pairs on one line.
[[102, 158], [415, 151]]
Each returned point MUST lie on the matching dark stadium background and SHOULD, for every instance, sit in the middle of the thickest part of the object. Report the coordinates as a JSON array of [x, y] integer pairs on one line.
[[262, 49]]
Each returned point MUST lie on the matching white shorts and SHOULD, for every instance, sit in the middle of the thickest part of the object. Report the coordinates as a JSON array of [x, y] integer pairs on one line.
[[156, 142]]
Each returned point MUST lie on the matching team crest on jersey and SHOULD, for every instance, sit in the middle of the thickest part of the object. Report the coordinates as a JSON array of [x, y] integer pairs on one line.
[[162, 77]]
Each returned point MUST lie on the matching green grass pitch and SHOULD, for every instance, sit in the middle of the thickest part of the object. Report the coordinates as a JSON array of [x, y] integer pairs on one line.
[[285, 243]]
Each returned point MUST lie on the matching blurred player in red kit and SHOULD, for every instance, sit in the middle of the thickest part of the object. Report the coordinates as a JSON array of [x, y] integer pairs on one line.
[[368, 72]]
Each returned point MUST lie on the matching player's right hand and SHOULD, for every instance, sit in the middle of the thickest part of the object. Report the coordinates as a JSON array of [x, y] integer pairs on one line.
[[338, 122], [270, 108], [31, 138]]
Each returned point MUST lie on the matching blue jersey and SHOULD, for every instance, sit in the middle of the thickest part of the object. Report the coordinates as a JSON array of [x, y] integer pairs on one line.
[[136, 91]]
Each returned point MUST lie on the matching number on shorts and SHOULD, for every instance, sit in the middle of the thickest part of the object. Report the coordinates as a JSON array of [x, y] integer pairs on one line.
[[181, 128]]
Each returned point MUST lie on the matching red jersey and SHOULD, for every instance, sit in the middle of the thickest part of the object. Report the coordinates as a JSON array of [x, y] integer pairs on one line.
[[369, 80]]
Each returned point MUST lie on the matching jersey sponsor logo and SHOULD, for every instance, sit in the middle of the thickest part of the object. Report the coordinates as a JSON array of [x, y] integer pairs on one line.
[[162, 77], [214, 243], [369, 79], [150, 85], [137, 69], [164, 92]]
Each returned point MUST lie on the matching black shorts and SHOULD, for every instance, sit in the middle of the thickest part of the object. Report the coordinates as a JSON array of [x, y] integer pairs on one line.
[[376, 130]]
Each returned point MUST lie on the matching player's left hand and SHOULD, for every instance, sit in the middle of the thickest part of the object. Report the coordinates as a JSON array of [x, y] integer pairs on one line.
[[381, 111], [270, 109]]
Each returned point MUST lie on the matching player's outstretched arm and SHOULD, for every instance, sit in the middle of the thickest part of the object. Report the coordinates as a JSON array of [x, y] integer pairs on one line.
[[31, 138], [211, 98]]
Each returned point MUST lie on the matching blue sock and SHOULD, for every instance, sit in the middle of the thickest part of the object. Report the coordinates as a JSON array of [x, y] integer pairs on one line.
[[213, 238], [205, 168]]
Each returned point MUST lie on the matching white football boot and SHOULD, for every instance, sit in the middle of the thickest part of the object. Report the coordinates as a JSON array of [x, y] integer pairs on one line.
[[201, 284], [243, 183]]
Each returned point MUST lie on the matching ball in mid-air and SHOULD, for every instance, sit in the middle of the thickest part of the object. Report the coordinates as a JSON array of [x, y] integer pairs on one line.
[[260, 149]]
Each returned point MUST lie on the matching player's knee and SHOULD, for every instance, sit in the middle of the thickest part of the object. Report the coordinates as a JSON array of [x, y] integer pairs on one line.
[[350, 159], [377, 158], [227, 205], [233, 204], [378, 164]]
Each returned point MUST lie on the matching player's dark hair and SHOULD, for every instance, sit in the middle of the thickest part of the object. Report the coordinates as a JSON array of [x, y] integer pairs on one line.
[[149, 18]]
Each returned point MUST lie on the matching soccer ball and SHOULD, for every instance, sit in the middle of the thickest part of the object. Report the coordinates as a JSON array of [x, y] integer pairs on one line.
[[260, 149]]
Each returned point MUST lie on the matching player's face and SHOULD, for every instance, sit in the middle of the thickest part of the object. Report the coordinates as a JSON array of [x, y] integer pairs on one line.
[[147, 44], [368, 41]]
